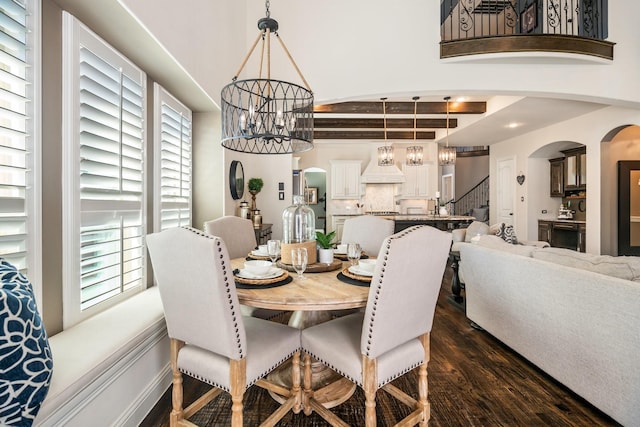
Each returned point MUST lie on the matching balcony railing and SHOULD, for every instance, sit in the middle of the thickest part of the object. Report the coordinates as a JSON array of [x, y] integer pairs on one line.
[[574, 26]]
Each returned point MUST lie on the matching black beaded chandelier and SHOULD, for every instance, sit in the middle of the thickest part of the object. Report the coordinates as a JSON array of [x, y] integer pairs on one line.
[[263, 115]]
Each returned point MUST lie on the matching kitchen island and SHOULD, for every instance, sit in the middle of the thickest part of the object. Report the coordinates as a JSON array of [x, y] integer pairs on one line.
[[442, 222]]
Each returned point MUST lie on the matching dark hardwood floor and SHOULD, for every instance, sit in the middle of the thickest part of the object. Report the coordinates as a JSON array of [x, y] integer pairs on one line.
[[474, 380]]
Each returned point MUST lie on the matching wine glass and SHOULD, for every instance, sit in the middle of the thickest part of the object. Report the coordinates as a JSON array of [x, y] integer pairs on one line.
[[273, 248], [353, 253], [299, 260]]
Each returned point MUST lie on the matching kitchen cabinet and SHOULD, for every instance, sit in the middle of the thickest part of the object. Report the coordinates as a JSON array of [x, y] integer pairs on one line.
[[582, 233], [345, 179], [416, 181], [575, 176], [556, 167], [544, 230], [337, 224], [563, 234]]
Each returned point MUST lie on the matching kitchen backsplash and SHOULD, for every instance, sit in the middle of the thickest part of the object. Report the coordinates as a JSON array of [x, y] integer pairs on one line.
[[380, 197]]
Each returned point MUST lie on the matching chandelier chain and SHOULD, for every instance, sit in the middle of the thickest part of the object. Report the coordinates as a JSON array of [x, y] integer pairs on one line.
[[267, 3]]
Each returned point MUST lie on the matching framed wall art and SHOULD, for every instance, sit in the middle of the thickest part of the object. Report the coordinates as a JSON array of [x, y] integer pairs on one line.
[[311, 195]]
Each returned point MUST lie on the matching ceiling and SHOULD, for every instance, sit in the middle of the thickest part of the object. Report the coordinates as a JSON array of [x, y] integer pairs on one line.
[[476, 121]]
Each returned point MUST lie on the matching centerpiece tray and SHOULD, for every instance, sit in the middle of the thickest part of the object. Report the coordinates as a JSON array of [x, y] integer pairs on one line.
[[315, 267]]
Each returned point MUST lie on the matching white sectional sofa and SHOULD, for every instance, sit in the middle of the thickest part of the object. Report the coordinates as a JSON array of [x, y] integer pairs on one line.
[[550, 305]]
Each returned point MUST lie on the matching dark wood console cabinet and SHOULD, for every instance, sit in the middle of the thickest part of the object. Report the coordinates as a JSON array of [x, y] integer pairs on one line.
[[563, 234], [263, 233]]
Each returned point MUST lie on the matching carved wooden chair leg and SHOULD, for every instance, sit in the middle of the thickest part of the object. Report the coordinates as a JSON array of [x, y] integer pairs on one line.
[[370, 385], [238, 369], [308, 392], [176, 392], [423, 381], [296, 390]]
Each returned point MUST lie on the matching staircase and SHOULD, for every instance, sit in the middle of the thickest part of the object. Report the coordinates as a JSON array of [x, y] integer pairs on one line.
[[477, 197]]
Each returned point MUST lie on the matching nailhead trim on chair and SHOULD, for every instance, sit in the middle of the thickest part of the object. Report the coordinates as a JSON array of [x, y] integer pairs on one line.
[[399, 235], [330, 366], [218, 242], [260, 376]]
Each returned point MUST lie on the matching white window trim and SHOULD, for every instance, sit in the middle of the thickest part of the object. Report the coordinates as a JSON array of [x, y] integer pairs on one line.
[[34, 183], [161, 96], [73, 30]]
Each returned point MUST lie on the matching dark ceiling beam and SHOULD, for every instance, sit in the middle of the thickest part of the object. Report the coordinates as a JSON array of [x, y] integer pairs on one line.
[[402, 108], [372, 134], [363, 123]]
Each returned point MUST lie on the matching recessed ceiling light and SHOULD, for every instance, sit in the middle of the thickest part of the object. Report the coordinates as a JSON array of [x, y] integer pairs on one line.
[[461, 99], [513, 125]]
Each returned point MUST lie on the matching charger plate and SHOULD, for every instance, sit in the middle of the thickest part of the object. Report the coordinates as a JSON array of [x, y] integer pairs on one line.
[[269, 281], [313, 268], [354, 276], [251, 255]]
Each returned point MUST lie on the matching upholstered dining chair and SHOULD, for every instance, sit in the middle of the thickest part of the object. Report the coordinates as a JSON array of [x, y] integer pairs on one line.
[[367, 230], [237, 233], [210, 340], [391, 337], [239, 236]]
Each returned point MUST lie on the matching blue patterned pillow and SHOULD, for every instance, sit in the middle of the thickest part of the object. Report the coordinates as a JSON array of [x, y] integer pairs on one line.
[[25, 356]]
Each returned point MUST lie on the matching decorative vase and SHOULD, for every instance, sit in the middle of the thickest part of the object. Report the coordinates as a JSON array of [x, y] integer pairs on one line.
[[443, 211], [325, 256], [253, 199]]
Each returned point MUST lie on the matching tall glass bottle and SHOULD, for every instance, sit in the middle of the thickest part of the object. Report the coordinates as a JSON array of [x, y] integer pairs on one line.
[[298, 222], [298, 230]]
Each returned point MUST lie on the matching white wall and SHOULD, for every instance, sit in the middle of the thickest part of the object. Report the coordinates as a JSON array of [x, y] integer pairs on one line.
[[589, 130]]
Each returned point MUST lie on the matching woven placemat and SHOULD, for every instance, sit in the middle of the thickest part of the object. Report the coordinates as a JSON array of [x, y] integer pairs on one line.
[[260, 257], [245, 281], [354, 276], [288, 279]]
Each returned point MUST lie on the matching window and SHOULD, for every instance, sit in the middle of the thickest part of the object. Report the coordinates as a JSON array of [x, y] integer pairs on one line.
[[19, 142], [172, 151], [103, 174]]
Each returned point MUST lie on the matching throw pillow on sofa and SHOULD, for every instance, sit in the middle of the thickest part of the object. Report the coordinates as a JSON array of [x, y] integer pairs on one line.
[[474, 230], [25, 355], [507, 233]]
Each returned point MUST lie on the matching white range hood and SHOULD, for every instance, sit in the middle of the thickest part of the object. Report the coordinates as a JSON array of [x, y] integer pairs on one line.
[[374, 174]]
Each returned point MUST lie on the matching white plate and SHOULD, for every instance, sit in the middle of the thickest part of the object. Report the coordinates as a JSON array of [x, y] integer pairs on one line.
[[339, 253], [274, 272], [259, 253], [359, 271]]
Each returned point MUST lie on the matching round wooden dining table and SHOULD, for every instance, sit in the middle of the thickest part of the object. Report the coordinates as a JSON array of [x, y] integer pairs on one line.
[[311, 301]]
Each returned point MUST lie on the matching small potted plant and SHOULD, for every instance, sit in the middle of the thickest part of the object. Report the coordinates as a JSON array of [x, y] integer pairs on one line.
[[325, 241]]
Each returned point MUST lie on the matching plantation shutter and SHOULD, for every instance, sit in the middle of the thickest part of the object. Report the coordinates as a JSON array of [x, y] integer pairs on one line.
[[173, 161], [14, 149], [104, 182]]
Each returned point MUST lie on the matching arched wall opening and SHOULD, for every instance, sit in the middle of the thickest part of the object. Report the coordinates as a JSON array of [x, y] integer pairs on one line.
[[621, 143]]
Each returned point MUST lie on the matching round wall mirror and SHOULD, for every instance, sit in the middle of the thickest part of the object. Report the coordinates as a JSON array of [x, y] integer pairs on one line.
[[236, 180]]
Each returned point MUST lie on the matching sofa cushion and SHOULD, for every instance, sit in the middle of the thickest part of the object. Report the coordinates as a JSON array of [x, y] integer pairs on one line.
[[474, 229], [24, 350], [495, 242], [507, 233], [622, 267]]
